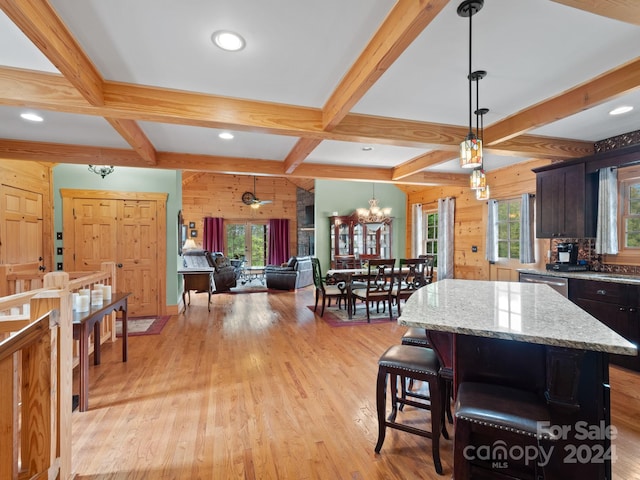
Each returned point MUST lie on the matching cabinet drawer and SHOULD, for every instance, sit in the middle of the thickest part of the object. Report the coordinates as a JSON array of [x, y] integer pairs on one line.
[[599, 291]]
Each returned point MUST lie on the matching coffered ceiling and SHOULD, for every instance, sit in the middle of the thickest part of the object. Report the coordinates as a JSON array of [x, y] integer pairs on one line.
[[141, 84]]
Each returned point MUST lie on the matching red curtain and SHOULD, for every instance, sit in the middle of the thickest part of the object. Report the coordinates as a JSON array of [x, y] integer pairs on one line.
[[278, 241], [213, 240]]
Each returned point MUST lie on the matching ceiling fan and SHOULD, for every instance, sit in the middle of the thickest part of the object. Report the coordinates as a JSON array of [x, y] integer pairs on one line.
[[249, 198]]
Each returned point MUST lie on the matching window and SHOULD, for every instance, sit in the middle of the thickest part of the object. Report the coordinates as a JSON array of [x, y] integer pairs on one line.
[[509, 228], [629, 225], [430, 236]]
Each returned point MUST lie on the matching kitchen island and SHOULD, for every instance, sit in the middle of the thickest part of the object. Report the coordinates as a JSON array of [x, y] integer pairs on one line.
[[528, 336]]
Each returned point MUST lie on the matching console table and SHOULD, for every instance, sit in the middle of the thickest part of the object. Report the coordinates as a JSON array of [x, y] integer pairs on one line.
[[198, 280], [528, 336], [86, 322]]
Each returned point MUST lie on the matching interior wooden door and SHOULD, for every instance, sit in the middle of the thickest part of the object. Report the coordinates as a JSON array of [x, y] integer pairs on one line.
[[137, 252], [22, 225], [95, 229], [127, 228]]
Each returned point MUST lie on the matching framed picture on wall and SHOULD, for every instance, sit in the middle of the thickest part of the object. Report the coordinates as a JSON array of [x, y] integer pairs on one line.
[[194, 233], [192, 224]]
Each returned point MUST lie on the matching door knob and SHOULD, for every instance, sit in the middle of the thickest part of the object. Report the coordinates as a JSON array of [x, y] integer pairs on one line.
[[42, 268], [119, 265]]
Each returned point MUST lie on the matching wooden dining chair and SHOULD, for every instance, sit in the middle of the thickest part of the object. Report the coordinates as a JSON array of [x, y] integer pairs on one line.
[[409, 278], [428, 267], [379, 284], [327, 292]]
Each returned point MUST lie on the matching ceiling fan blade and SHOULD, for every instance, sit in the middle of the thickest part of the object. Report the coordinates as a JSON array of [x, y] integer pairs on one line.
[[264, 202]]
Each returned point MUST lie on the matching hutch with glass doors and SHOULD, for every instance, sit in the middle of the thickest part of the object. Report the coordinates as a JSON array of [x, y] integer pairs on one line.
[[364, 241]]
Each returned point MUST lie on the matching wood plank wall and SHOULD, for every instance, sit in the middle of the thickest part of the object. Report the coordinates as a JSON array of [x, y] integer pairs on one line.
[[33, 177], [214, 195], [471, 214]]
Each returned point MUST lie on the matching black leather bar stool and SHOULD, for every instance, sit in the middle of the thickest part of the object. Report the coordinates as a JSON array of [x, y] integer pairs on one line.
[[443, 347], [416, 363], [487, 414]]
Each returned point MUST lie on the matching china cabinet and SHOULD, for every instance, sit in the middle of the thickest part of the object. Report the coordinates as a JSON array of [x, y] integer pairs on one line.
[[350, 237]]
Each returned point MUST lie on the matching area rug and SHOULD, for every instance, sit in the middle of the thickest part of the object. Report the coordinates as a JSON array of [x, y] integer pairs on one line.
[[142, 325], [339, 318]]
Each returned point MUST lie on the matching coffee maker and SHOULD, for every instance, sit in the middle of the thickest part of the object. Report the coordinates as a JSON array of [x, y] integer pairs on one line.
[[568, 253], [567, 258]]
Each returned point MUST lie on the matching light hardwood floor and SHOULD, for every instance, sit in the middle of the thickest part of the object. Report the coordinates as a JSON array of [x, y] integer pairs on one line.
[[261, 388]]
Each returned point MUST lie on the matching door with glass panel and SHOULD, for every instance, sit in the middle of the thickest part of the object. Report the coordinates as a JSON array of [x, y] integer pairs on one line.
[[248, 241]]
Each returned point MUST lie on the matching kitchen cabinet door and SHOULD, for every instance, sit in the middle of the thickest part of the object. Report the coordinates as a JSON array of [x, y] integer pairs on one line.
[[565, 203]]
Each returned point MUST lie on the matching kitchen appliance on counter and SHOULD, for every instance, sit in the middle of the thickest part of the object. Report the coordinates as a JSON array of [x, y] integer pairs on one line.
[[567, 259]]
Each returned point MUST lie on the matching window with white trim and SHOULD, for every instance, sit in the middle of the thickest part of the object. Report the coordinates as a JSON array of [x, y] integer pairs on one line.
[[430, 235], [509, 228]]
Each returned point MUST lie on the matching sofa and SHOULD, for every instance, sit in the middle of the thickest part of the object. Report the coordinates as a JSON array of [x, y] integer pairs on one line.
[[296, 273]]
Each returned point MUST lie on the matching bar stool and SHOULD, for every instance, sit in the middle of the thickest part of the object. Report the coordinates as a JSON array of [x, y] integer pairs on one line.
[[443, 347], [416, 363], [495, 414]]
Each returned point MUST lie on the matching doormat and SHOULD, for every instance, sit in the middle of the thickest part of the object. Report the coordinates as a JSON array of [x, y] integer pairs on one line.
[[137, 326], [337, 317]]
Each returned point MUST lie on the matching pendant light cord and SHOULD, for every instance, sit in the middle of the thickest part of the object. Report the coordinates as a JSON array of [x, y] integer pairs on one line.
[[469, 77]]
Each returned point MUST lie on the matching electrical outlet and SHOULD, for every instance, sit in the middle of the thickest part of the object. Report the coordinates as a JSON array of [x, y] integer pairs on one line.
[[474, 248], [59, 265]]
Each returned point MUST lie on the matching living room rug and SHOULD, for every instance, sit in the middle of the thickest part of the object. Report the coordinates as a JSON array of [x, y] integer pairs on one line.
[[142, 325], [339, 318]]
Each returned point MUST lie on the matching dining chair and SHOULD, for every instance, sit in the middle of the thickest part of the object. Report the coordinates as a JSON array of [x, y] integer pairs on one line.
[[327, 292], [379, 284], [409, 278], [428, 267]]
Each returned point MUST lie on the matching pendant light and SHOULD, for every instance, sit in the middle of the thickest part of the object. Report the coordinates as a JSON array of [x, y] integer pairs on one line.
[[482, 191], [478, 178], [471, 146]]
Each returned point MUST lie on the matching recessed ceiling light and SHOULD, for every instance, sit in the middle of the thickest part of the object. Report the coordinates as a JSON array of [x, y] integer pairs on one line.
[[621, 110], [367, 149], [225, 135], [226, 40], [32, 117]]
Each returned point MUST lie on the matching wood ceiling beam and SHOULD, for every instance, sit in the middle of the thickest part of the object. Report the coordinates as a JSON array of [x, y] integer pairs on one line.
[[39, 22], [63, 153], [618, 81], [299, 152], [623, 10], [436, 179], [421, 162], [133, 134], [405, 22]]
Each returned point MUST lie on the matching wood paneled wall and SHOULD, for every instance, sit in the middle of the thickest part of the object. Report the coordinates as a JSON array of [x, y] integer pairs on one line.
[[214, 195], [471, 214], [33, 177]]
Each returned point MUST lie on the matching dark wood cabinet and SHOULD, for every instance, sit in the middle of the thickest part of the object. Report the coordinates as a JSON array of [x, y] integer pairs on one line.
[[615, 305], [565, 202], [350, 237]]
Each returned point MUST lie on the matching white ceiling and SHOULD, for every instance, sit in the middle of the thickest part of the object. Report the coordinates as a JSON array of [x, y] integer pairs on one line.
[[297, 52]]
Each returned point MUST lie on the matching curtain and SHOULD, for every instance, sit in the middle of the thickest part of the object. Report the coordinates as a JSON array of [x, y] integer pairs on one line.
[[607, 222], [213, 236], [527, 229], [278, 241], [492, 231], [446, 208], [416, 234]]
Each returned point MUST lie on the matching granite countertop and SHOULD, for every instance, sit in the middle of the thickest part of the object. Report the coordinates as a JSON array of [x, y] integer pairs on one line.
[[525, 312], [588, 275]]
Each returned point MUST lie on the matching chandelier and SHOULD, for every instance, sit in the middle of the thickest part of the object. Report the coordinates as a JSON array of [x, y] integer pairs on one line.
[[102, 170], [374, 217], [471, 146]]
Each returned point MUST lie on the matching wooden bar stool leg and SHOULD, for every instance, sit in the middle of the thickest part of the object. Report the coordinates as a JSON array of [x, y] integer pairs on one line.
[[381, 404]]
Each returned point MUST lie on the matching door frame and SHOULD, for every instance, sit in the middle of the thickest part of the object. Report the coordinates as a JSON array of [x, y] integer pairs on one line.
[[68, 232], [248, 225]]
